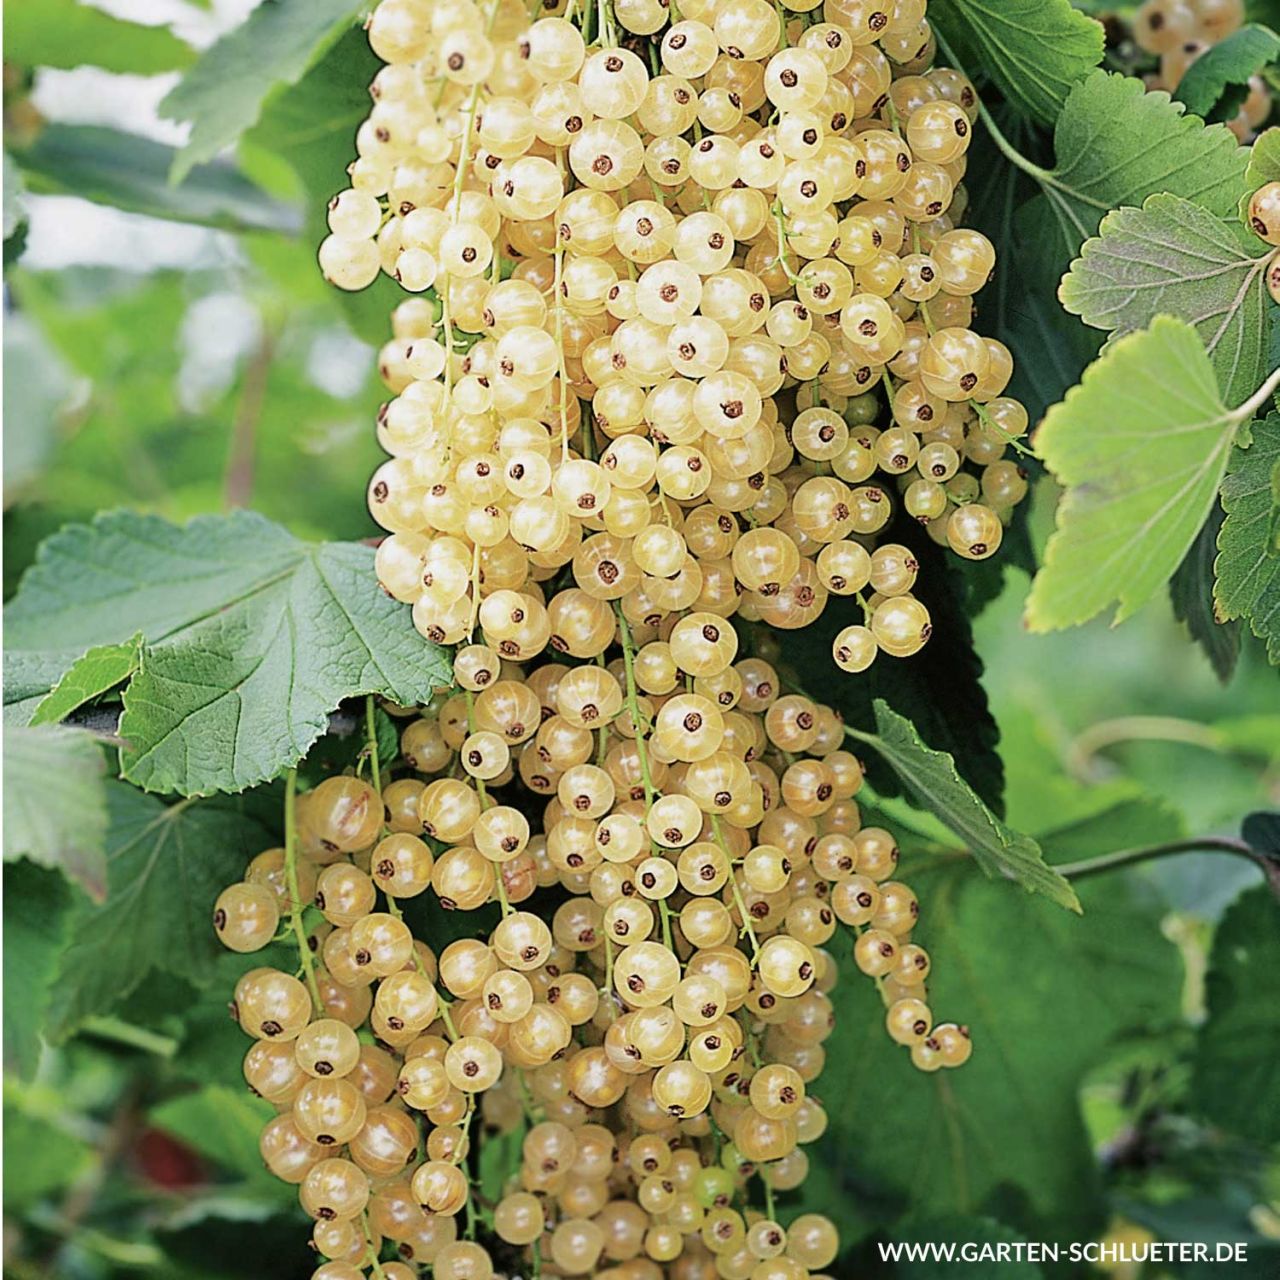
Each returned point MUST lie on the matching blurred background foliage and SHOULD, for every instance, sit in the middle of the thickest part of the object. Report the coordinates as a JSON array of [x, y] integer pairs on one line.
[[172, 349]]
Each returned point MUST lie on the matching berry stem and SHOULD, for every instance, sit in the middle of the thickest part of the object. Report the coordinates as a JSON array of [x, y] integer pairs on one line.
[[295, 897], [990, 424], [374, 1261], [747, 931], [1082, 753], [371, 739], [1260, 397], [769, 1210]]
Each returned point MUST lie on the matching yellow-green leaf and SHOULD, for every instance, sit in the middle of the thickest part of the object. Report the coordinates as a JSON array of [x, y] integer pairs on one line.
[[1141, 446]]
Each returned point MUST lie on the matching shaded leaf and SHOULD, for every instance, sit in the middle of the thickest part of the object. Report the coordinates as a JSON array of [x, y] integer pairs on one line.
[[129, 172], [252, 639], [36, 902], [953, 1141], [312, 125], [1191, 590], [1230, 62], [224, 1125], [1248, 564], [1116, 145], [938, 689], [67, 34], [1034, 50], [1237, 1058], [931, 781], [222, 95], [55, 809], [1049, 347], [100, 670], [165, 867], [1172, 257], [1141, 446]]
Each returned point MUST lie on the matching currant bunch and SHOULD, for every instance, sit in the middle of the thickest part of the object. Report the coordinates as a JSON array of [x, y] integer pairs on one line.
[[688, 331]]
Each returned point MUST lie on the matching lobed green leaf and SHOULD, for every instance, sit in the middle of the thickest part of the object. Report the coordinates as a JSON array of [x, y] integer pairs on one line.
[[165, 867], [252, 638], [100, 670], [950, 1142], [1172, 257], [1117, 144], [1237, 1057], [1191, 592], [1141, 446]]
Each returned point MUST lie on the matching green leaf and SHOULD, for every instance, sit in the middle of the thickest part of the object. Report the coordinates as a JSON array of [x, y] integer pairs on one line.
[[1042, 1013], [224, 1125], [1237, 1059], [931, 781], [39, 1158], [54, 805], [36, 902], [312, 125], [32, 403], [1172, 257], [1141, 446], [1191, 591], [1230, 62], [100, 670], [110, 167], [165, 867], [222, 95], [1116, 145], [1264, 160], [1034, 50], [67, 34], [252, 639], [1248, 565]]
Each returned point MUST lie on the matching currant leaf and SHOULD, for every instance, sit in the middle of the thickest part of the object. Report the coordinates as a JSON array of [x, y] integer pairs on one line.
[[55, 809], [222, 94], [1172, 257], [1034, 50], [1141, 446]]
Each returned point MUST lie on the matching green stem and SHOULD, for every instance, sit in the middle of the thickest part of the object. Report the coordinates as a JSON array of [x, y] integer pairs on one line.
[[371, 735], [372, 1255], [1131, 857], [992, 425], [1110, 733], [747, 931], [295, 897], [1003, 145], [770, 1211]]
